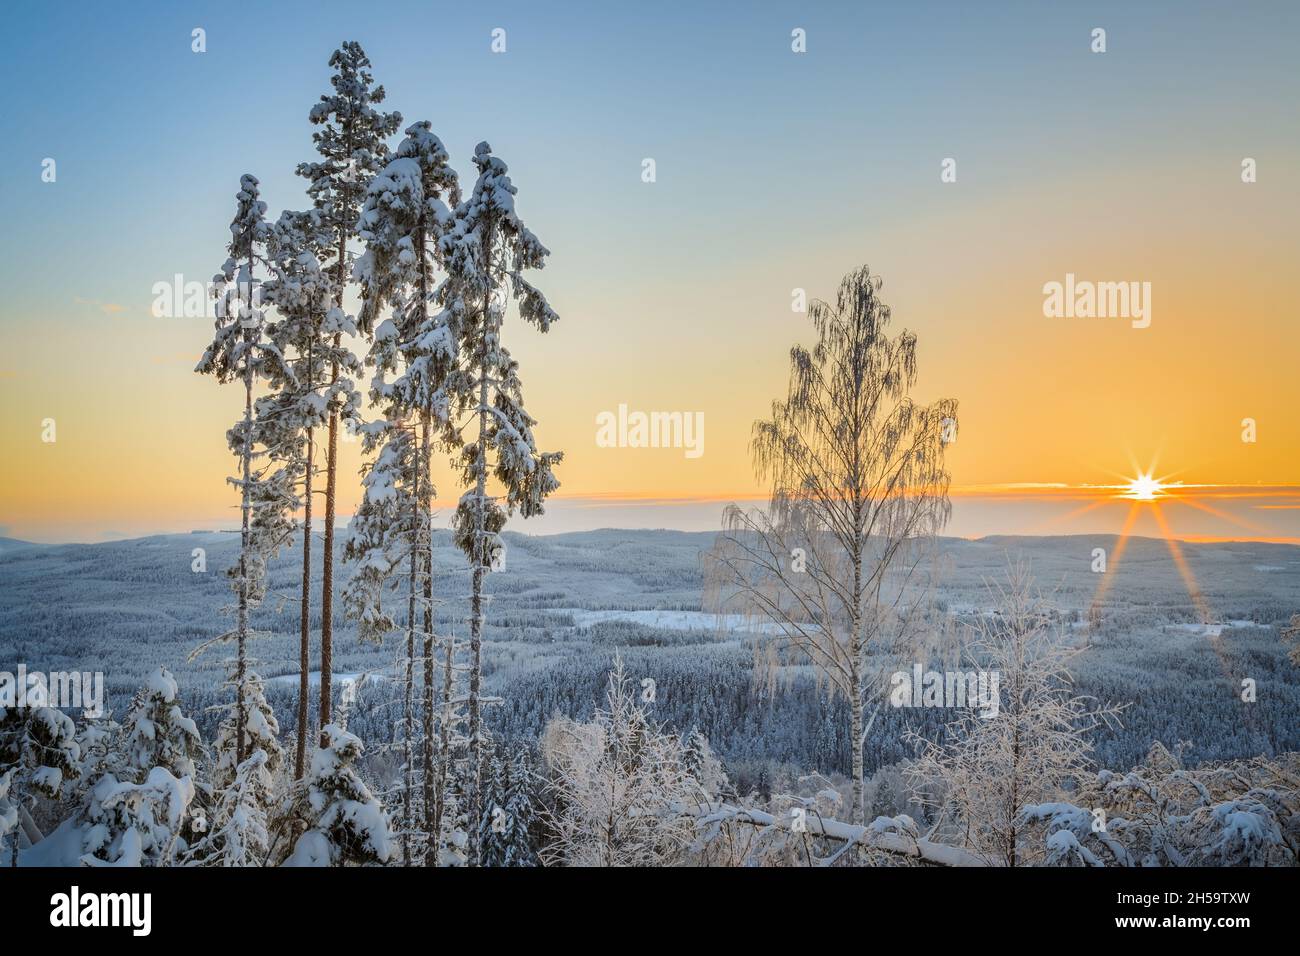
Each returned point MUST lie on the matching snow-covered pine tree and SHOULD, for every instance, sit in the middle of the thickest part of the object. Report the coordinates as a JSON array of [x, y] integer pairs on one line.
[[352, 148], [138, 811], [124, 823], [240, 351], [452, 743], [343, 821], [308, 331], [404, 217], [453, 822], [263, 733], [97, 742], [381, 539], [156, 732], [38, 751], [704, 767], [243, 793], [236, 832], [521, 811], [493, 826], [487, 251], [378, 542]]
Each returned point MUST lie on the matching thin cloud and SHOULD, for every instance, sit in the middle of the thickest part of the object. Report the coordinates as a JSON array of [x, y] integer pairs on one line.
[[108, 308]]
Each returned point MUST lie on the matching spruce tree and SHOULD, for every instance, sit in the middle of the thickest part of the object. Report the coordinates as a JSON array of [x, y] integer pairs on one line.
[[237, 833], [156, 732], [263, 733], [38, 752], [343, 821], [124, 823], [521, 811], [493, 825]]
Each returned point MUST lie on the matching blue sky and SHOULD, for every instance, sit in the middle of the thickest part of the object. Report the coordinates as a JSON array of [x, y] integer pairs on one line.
[[774, 171]]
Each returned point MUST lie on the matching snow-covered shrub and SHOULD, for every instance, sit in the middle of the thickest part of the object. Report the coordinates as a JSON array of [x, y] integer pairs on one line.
[[156, 732], [621, 786], [38, 752], [135, 824], [344, 822], [262, 732], [1161, 814], [237, 833]]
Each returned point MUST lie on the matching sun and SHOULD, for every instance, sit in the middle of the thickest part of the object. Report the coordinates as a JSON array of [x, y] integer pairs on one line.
[[1144, 488]]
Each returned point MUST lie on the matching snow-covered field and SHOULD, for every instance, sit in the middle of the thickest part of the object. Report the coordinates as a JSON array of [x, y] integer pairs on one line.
[[702, 621]]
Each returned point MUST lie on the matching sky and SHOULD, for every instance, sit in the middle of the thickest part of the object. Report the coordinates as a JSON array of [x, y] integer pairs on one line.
[[774, 171]]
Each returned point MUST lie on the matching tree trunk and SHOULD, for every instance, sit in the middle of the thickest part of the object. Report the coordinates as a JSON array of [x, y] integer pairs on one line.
[[444, 745], [476, 608], [427, 556], [855, 674], [17, 796], [304, 642], [331, 481], [413, 590], [327, 569], [242, 617], [406, 713]]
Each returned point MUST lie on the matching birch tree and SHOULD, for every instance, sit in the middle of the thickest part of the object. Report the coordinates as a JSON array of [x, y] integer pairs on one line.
[[352, 148], [838, 562], [991, 767], [487, 251], [622, 790]]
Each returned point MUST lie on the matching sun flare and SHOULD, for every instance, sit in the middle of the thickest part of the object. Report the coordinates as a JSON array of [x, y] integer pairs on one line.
[[1144, 488]]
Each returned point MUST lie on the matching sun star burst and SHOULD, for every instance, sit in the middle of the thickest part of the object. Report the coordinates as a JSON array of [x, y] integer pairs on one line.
[[1144, 488]]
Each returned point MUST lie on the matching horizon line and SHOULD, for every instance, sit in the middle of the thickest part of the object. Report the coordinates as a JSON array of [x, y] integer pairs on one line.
[[1290, 541]]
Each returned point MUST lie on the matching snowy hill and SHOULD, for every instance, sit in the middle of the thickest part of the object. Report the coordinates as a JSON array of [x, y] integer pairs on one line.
[[8, 545]]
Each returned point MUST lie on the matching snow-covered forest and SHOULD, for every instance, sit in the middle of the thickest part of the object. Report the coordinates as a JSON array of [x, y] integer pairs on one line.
[[401, 688]]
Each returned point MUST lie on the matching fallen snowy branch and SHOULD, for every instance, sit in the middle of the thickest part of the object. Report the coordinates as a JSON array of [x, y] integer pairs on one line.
[[891, 835]]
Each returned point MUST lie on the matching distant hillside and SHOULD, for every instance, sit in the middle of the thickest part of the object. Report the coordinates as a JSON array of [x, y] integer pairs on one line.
[[13, 544], [565, 604]]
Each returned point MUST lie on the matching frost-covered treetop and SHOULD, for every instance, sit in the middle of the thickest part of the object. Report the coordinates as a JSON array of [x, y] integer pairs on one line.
[[237, 292], [351, 138], [406, 204], [249, 225], [488, 221]]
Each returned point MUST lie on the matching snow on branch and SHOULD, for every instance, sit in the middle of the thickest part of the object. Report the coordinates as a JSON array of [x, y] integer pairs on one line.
[[895, 835]]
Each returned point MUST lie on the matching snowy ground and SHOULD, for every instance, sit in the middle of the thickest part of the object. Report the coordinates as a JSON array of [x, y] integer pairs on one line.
[[700, 621]]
